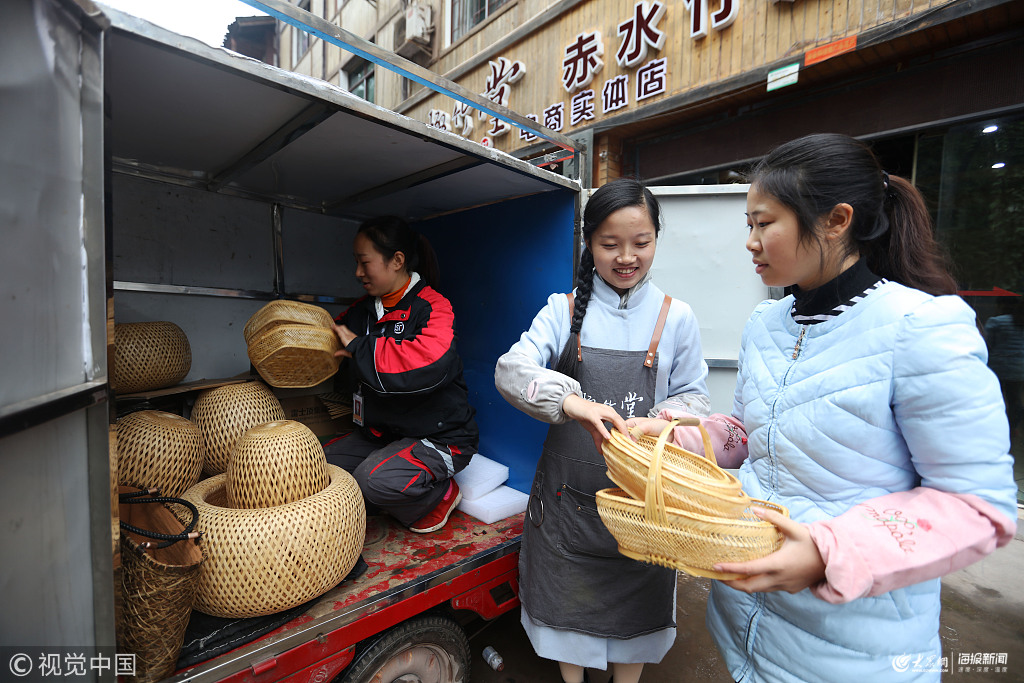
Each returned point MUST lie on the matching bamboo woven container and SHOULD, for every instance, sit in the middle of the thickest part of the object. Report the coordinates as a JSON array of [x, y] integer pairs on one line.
[[158, 588], [295, 356], [651, 531], [158, 450], [691, 481], [275, 463], [148, 356], [265, 560], [225, 413], [282, 312]]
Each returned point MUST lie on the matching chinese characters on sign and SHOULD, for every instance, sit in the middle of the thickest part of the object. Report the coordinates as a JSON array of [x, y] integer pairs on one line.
[[582, 62], [497, 89], [639, 32]]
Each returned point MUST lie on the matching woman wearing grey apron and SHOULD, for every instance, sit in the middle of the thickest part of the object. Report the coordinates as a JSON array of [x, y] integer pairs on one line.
[[620, 348]]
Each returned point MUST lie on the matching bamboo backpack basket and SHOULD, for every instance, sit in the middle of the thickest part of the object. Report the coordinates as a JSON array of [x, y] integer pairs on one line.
[[264, 560], [225, 413], [149, 356], [292, 344], [649, 530], [159, 450], [159, 580]]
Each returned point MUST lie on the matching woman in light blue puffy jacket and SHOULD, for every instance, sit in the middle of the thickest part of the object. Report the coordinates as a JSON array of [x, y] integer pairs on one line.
[[871, 415]]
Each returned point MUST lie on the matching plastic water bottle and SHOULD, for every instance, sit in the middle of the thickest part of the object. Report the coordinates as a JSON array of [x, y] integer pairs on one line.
[[493, 659]]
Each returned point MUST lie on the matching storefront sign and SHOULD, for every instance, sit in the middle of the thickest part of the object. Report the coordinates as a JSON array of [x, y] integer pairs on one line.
[[504, 74], [725, 15], [583, 61], [780, 78], [820, 54], [639, 32]]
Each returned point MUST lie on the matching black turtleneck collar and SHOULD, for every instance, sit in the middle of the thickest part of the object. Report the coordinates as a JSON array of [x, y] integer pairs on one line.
[[835, 293]]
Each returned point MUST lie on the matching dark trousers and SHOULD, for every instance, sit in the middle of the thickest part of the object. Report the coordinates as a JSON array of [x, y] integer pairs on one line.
[[406, 478]]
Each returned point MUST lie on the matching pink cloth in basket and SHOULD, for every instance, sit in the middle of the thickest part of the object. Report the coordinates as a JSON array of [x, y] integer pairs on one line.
[[728, 437]]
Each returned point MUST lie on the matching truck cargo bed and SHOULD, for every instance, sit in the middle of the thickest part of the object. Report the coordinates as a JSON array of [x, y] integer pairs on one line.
[[468, 564]]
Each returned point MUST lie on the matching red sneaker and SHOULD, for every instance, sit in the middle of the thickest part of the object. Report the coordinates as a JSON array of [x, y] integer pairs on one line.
[[438, 517]]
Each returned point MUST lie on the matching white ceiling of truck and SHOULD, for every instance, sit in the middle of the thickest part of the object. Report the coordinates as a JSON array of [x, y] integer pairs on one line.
[[191, 114]]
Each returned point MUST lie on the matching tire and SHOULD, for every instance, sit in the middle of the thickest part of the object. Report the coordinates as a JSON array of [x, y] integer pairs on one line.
[[428, 649]]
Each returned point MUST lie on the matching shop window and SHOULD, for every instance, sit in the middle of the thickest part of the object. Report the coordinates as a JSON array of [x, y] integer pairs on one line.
[[361, 79], [468, 13], [300, 39], [972, 177]]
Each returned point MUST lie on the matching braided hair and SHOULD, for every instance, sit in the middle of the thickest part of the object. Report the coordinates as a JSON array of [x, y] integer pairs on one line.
[[609, 198]]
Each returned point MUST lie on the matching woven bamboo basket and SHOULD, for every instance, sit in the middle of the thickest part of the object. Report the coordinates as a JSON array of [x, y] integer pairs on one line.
[[275, 463], [691, 482], [225, 413], [650, 531], [158, 588], [158, 450], [266, 560], [281, 312], [295, 356], [148, 356]]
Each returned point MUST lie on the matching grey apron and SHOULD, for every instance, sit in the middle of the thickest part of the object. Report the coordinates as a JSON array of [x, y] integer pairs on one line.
[[571, 574]]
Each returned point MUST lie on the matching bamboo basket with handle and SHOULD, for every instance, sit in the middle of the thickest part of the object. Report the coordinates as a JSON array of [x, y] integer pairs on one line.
[[690, 481], [651, 531]]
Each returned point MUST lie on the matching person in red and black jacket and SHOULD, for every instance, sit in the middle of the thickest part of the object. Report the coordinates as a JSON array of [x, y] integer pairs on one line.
[[417, 428]]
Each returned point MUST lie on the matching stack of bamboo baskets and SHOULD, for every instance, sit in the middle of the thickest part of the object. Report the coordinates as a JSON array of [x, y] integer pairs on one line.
[[292, 344], [678, 509]]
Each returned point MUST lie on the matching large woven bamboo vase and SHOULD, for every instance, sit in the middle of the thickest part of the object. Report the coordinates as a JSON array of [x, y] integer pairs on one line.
[[160, 570]]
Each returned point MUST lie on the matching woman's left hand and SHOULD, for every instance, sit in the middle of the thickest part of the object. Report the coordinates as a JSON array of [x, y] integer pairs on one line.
[[792, 568], [346, 336], [651, 426]]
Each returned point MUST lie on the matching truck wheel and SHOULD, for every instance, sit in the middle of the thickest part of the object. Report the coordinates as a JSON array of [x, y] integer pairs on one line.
[[430, 649]]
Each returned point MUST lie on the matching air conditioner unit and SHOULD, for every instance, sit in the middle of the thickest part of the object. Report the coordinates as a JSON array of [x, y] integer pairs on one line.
[[414, 31]]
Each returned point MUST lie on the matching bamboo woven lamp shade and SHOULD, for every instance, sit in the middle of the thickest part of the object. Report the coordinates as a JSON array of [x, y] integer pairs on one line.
[[275, 463], [148, 356], [261, 561], [225, 413], [158, 449]]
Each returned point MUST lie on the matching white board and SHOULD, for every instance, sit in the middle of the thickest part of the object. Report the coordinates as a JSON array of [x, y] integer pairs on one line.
[[701, 259]]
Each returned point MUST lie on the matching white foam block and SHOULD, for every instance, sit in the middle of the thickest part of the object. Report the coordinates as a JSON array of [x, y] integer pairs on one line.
[[500, 503], [481, 476]]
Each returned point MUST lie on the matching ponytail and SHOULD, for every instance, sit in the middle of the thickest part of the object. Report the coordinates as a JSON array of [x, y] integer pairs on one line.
[[908, 252], [427, 266], [891, 227], [391, 234]]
